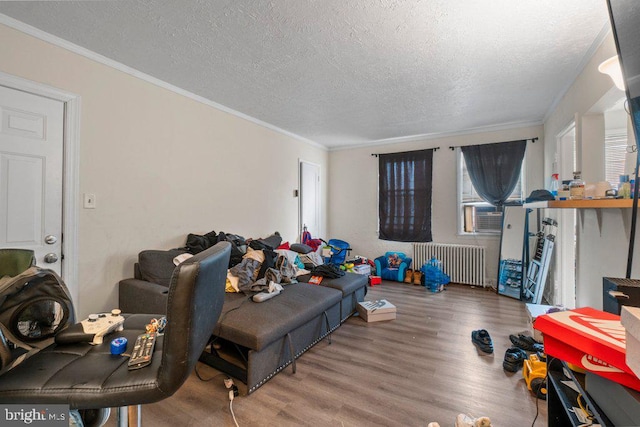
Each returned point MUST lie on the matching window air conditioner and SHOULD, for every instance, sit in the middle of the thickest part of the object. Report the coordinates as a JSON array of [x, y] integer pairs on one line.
[[486, 218]]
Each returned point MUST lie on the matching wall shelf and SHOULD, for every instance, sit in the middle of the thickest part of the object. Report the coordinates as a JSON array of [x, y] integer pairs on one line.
[[596, 204], [581, 204]]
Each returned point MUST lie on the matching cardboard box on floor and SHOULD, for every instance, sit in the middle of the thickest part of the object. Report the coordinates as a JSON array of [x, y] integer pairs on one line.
[[375, 311]]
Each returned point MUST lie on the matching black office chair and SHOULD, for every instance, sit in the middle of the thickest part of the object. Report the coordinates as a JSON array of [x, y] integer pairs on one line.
[[15, 261], [85, 376]]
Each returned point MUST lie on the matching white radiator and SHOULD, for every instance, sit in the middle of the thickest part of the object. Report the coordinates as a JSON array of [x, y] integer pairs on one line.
[[463, 263]]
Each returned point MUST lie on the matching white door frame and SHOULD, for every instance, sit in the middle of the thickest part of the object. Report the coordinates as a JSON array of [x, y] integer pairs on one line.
[[567, 249], [70, 172], [319, 196]]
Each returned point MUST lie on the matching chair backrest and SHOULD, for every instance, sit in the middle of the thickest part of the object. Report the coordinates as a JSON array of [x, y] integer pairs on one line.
[[15, 261], [194, 304], [338, 244], [339, 250], [400, 255]]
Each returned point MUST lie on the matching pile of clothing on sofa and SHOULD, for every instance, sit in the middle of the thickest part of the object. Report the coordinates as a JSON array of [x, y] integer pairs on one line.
[[255, 264]]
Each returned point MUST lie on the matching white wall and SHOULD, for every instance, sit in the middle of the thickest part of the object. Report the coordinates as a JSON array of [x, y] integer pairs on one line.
[[593, 128], [602, 235], [161, 166], [353, 192]]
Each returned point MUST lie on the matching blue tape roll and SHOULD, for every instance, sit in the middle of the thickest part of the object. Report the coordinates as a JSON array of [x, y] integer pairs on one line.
[[118, 345]]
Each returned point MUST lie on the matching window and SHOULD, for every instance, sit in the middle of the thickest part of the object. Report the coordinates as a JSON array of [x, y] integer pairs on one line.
[[616, 122], [476, 215], [615, 150], [405, 196]]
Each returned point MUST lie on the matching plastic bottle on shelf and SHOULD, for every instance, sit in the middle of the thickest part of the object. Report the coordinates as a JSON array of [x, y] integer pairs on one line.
[[563, 191], [554, 185], [576, 187], [624, 189]]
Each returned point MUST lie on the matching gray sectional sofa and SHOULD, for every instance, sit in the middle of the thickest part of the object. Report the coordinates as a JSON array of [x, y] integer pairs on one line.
[[252, 341]]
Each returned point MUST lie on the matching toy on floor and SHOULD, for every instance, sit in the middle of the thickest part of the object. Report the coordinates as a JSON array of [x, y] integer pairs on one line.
[[534, 372], [464, 420], [348, 267]]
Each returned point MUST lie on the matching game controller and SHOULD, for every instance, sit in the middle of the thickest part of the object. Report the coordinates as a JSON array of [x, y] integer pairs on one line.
[[92, 329]]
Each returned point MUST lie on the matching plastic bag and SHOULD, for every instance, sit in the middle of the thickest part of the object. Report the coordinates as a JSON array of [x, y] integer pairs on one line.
[[434, 277]]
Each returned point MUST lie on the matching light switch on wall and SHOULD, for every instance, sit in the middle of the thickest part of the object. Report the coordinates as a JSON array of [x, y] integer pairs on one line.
[[89, 201]]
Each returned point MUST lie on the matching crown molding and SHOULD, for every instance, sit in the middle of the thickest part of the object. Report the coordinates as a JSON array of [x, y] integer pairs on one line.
[[89, 54], [439, 135]]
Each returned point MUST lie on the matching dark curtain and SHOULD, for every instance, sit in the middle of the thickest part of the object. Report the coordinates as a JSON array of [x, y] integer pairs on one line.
[[494, 169], [405, 196]]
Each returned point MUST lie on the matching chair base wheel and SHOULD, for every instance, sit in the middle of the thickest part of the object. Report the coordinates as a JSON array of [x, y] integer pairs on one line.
[[95, 417]]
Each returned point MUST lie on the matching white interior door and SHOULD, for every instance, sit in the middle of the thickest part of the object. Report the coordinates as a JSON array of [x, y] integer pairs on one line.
[[310, 198], [31, 153]]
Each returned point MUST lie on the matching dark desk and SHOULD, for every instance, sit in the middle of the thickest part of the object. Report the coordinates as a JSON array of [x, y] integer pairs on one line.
[[561, 398]]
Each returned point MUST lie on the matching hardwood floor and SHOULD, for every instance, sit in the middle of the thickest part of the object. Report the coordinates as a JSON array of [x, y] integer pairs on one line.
[[418, 368]]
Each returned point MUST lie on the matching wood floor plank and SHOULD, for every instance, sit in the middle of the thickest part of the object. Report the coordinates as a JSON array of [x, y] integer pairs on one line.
[[418, 368]]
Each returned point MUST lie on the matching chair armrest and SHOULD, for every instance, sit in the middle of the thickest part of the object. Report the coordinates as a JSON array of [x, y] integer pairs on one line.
[[402, 272], [382, 260], [381, 263], [140, 296], [407, 260]]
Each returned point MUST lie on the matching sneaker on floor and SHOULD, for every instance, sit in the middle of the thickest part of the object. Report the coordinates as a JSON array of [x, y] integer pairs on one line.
[[433, 424], [514, 357], [526, 343], [464, 420], [482, 340]]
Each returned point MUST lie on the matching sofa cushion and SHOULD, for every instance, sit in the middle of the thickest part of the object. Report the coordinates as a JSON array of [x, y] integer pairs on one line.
[[256, 325], [348, 283], [157, 266]]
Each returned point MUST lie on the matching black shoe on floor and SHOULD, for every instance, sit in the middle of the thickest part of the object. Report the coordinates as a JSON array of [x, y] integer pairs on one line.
[[513, 359], [482, 340], [526, 343]]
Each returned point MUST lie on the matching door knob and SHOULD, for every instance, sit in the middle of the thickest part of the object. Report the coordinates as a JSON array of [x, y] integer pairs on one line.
[[50, 239], [50, 258]]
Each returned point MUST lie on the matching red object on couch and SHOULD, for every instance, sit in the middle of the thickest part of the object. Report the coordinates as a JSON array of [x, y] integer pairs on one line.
[[284, 245], [314, 244]]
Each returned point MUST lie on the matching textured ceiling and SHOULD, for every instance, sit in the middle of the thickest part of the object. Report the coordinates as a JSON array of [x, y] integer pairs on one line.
[[345, 72]]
